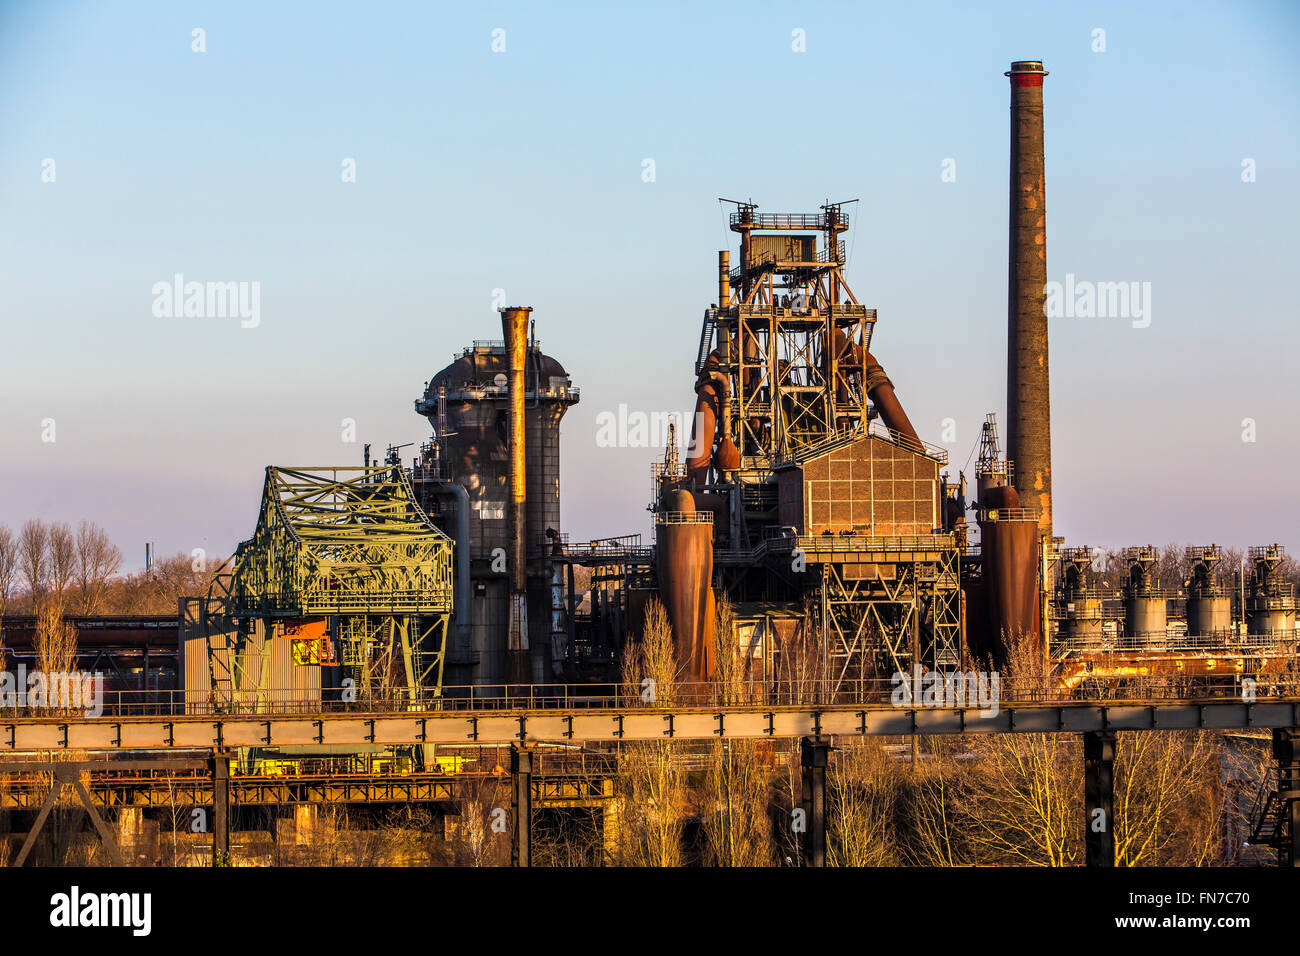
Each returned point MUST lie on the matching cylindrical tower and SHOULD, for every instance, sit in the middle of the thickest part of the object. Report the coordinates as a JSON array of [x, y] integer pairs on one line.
[[1271, 606], [1209, 602], [1009, 549], [1146, 605], [473, 392], [1029, 431], [1082, 609]]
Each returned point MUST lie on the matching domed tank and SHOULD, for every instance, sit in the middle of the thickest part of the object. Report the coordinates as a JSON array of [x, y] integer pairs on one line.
[[466, 405]]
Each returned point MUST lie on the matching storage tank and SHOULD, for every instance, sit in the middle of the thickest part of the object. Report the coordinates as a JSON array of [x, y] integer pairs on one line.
[[466, 402], [1270, 607], [684, 551], [1209, 602], [1082, 610], [1009, 548], [1146, 606]]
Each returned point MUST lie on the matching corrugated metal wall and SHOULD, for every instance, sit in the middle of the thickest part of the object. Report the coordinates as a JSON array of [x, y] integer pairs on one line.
[[873, 487], [288, 686]]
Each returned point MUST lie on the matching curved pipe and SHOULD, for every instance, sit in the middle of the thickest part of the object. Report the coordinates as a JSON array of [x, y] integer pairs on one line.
[[879, 388], [711, 392]]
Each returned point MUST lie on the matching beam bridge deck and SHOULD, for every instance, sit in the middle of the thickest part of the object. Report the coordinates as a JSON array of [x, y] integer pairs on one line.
[[552, 726]]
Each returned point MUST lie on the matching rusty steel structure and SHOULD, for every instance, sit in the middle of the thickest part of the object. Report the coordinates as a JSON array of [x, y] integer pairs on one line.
[[807, 499], [807, 537], [463, 479]]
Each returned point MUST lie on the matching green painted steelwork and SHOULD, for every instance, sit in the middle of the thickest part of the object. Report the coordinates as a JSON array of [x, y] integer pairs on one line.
[[349, 546], [341, 541]]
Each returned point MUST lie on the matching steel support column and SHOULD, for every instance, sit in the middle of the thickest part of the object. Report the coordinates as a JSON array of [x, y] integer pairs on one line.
[[1099, 797], [814, 753], [521, 804], [1287, 755], [220, 768]]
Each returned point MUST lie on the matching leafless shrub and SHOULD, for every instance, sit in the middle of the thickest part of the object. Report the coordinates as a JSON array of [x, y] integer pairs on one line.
[[650, 782]]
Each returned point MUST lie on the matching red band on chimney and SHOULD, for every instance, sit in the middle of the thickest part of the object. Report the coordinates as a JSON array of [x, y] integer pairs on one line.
[[1026, 79]]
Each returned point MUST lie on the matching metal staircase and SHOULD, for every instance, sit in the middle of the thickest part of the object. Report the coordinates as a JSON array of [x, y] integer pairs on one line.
[[1273, 813]]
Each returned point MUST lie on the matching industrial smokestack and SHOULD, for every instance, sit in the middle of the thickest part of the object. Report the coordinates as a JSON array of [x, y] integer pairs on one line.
[[724, 278], [514, 323], [1029, 425]]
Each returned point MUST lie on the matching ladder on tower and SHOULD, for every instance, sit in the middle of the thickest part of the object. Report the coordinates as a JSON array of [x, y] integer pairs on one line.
[[706, 339]]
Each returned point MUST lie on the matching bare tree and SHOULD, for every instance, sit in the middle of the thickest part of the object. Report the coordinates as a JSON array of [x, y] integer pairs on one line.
[[56, 642], [1022, 802], [98, 559], [8, 575], [8, 567], [61, 545], [33, 560], [1168, 798], [864, 790], [735, 795]]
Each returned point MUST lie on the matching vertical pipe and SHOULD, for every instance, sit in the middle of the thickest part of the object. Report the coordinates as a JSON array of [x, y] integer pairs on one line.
[[1029, 434], [1099, 798], [514, 323], [724, 278], [462, 610]]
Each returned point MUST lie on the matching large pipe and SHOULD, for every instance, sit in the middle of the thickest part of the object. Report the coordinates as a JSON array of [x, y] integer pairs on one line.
[[711, 406], [456, 491], [878, 386], [881, 392], [1029, 431], [514, 323]]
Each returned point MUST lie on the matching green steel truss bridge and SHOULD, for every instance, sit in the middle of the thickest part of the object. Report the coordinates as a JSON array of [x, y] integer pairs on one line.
[[347, 564]]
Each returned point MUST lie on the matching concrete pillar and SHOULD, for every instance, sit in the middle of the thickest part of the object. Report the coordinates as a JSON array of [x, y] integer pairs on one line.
[[130, 831], [1099, 798], [814, 753], [306, 818], [611, 826], [521, 803]]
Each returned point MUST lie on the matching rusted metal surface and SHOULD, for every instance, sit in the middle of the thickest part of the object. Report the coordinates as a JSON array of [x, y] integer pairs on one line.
[[850, 358], [466, 402], [1029, 435], [514, 323], [684, 537], [1009, 547]]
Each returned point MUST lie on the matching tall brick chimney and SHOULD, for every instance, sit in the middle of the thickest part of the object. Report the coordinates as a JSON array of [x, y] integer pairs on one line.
[[1029, 416]]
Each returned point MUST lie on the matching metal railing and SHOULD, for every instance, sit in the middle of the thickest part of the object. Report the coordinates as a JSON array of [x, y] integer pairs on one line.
[[1226, 642], [1007, 514], [683, 517], [488, 698], [789, 220], [861, 542]]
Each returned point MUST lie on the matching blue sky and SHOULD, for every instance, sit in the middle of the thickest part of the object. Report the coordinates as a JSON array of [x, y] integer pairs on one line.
[[522, 170]]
